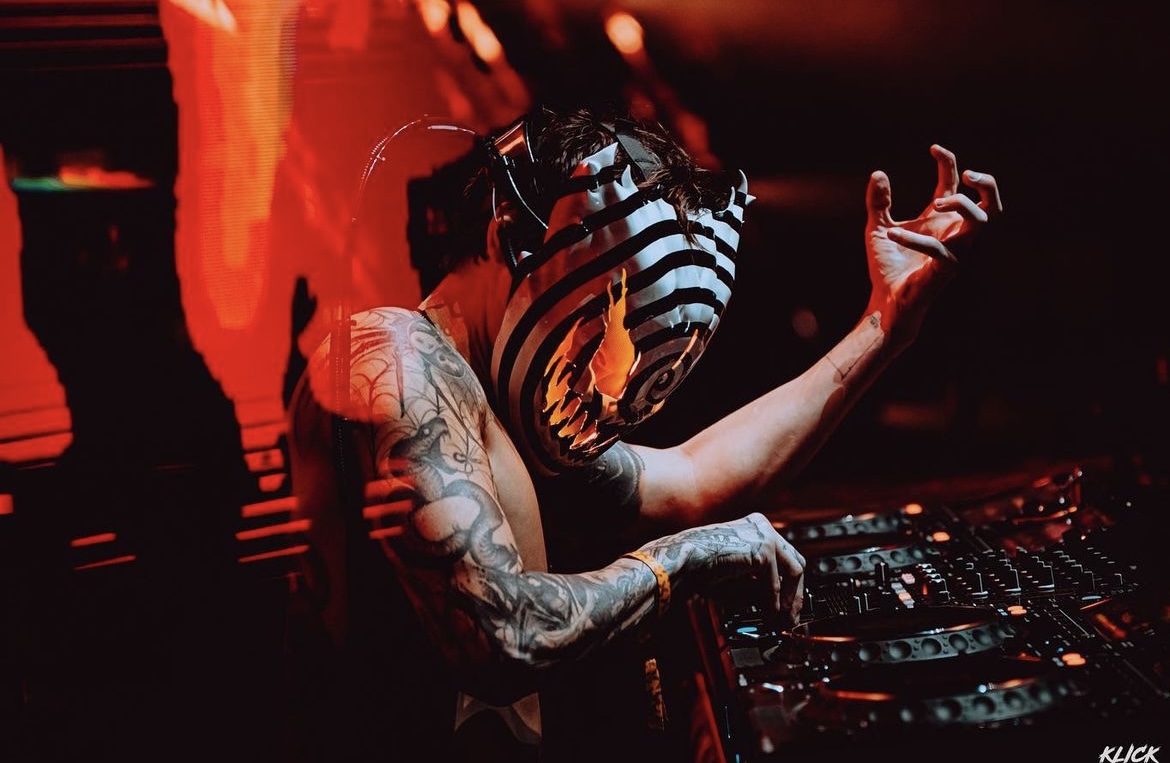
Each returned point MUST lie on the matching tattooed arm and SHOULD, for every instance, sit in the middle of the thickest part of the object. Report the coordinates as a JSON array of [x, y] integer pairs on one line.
[[501, 623]]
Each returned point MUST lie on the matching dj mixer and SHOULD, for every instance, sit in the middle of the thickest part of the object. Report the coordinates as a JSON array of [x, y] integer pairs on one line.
[[1035, 614]]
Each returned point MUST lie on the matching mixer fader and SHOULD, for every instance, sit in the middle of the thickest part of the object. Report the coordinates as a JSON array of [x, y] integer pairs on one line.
[[971, 621]]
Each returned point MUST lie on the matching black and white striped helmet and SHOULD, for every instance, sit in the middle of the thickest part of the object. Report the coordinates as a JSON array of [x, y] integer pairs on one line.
[[610, 314]]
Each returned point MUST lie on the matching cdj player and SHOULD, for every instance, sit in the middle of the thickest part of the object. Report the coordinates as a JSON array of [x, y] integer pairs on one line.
[[1029, 618]]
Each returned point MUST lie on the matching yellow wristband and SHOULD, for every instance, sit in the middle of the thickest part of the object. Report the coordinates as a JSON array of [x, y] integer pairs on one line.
[[659, 575]]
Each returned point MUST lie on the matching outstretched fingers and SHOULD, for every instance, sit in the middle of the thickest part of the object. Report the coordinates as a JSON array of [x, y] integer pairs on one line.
[[878, 200], [988, 190], [948, 171], [964, 205]]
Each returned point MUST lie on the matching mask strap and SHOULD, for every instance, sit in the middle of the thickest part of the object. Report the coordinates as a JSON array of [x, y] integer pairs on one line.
[[512, 153], [644, 162]]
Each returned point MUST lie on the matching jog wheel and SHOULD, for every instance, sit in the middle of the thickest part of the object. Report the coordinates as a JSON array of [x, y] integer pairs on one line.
[[906, 635], [977, 691], [799, 525], [860, 554]]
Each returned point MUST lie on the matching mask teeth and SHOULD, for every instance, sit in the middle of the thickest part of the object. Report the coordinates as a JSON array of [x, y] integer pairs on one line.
[[575, 424], [584, 437], [577, 420], [565, 410]]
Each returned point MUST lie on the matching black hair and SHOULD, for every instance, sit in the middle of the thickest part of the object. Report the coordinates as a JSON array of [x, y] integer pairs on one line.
[[450, 209], [567, 138]]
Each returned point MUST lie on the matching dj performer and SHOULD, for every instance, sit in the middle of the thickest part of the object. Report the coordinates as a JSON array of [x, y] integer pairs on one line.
[[438, 450]]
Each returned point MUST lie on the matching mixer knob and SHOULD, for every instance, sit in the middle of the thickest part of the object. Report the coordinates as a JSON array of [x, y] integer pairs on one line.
[[1046, 578], [1012, 581], [1033, 562], [936, 586], [977, 587], [1003, 570], [1088, 580]]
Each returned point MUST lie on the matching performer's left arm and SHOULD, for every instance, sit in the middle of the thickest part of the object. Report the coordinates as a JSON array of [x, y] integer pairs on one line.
[[740, 462]]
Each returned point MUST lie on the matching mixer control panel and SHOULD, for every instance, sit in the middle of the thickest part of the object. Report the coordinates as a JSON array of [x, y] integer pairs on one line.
[[970, 621]]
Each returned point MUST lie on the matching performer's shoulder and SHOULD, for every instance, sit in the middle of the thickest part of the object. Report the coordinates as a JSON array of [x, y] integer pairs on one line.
[[388, 318]]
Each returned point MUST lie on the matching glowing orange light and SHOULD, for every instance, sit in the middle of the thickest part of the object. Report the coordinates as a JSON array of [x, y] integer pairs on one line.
[[1074, 659], [609, 372], [483, 40], [93, 540], [291, 551], [261, 437], [35, 448], [86, 176], [1112, 629], [912, 509], [391, 509], [940, 536], [296, 526], [558, 388], [616, 356], [435, 14], [5, 504], [1017, 610], [214, 13], [270, 483], [866, 696], [106, 563], [264, 508], [261, 461], [624, 32]]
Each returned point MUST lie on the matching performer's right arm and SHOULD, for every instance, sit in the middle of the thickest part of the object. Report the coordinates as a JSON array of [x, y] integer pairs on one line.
[[497, 622]]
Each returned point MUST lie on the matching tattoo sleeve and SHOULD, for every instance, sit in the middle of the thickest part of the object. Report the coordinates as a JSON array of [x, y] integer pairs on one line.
[[603, 498], [453, 545]]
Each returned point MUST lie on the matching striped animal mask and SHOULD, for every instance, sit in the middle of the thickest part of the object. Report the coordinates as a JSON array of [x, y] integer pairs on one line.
[[609, 316]]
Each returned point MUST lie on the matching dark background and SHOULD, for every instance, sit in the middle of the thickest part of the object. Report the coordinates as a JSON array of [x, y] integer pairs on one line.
[[1051, 344]]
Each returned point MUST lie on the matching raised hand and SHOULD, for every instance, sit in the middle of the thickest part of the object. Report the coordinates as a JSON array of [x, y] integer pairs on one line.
[[910, 260]]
